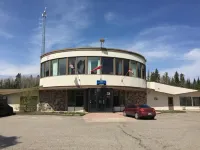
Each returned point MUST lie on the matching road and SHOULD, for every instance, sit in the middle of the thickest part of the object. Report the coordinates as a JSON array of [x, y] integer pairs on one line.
[[167, 132]]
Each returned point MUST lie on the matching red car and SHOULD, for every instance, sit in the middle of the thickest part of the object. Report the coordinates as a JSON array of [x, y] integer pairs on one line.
[[139, 111]]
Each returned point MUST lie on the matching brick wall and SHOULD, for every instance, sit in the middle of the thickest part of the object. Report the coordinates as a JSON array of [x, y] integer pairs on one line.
[[136, 97]]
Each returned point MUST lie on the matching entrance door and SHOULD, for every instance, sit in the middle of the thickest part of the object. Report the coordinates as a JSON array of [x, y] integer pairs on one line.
[[170, 103], [100, 100]]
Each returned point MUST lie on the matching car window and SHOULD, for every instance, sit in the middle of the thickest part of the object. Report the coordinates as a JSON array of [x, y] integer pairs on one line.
[[144, 106], [131, 106]]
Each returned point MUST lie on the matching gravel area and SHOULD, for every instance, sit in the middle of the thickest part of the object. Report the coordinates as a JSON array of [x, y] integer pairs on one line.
[[179, 131]]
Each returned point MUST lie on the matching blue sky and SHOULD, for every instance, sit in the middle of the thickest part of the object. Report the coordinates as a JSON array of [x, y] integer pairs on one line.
[[167, 32]]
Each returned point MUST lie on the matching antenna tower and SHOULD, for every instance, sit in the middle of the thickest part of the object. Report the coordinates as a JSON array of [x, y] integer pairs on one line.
[[44, 16]]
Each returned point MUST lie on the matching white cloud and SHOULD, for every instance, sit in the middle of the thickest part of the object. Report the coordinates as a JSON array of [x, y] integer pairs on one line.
[[65, 22], [110, 16], [190, 69]]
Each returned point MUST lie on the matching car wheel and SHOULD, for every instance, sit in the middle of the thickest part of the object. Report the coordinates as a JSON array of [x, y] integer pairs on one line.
[[136, 116], [124, 113], [152, 118]]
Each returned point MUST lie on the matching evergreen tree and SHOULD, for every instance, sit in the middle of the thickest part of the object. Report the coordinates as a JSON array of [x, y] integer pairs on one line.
[[188, 84], [182, 80], [153, 77], [165, 78], [18, 81], [176, 79], [157, 75], [172, 82], [198, 84], [194, 84]]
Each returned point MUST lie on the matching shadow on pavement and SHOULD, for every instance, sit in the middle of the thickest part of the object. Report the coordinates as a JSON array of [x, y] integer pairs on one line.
[[8, 141]]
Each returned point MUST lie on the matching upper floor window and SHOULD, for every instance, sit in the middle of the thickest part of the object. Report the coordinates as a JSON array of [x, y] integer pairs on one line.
[[143, 72], [126, 67], [133, 67], [42, 70], [46, 68], [118, 66], [81, 65], [54, 67], [93, 64], [139, 70], [107, 63], [62, 66], [71, 65]]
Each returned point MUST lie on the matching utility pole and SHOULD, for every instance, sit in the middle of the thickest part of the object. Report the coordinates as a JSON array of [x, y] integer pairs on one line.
[[44, 16]]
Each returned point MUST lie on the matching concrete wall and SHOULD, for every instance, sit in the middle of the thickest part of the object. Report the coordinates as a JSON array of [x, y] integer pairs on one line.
[[86, 80], [14, 100], [162, 100], [94, 53]]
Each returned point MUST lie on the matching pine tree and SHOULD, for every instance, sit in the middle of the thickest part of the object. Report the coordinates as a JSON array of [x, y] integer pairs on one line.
[[194, 84], [157, 75], [182, 80], [188, 84], [153, 77], [176, 79], [198, 84], [148, 76]]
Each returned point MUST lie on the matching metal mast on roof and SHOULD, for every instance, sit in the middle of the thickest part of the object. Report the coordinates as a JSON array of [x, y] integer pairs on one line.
[[44, 16], [102, 42]]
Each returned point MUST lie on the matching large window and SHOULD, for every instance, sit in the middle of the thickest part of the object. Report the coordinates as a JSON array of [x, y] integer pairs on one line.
[[42, 70], [118, 66], [46, 68], [93, 62], [196, 101], [126, 67], [143, 72], [107, 63], [54, 67], [71, 98], [139, 70], [133, 68], [185, 101], [81, 65], [62, 66], [71, 65]]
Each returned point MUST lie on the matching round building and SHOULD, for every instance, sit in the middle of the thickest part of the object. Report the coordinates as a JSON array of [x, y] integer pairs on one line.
[[91, 79]]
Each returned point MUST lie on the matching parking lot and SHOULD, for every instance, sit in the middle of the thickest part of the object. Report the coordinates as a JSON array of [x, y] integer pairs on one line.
[[169, 132]]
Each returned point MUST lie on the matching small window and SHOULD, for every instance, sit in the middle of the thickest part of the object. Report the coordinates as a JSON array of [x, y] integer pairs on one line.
[[118, 66], [71, 63], [144, 106], [139, 70], [62, 66], [42, 70], [93, 64], [107, 63], [196, 101], [47, 69], [185, 101], [126, 67], [81, 65], [54, 67], [133, 68]]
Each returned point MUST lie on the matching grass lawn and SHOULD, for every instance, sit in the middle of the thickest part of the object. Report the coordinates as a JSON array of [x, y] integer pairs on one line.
[[53, 113], [172, 111]]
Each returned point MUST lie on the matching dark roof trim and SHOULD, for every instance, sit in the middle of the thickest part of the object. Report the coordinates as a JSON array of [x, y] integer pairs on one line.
[[92, 49]]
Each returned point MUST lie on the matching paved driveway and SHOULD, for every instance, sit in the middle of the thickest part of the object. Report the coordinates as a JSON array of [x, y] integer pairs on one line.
[[168, 132]]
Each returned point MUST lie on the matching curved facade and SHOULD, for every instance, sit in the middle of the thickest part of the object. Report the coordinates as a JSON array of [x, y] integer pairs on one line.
[[102, 79]]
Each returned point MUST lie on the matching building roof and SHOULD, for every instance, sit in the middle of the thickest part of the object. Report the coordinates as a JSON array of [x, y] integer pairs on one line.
[[92, 49], [168, 89]]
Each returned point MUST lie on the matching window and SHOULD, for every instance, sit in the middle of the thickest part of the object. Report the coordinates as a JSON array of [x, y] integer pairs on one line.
[[139, 70], [81, 65], [42, 70], [54, 67], [71, 63], [143, 72], [118, 66], [133, 68], [93, 62], [144, 106], [46, 68], [196, 101], [126, 67], [116, 100], [62, 66], [107, 63], [71, 98], [79, 98], [185, 101]]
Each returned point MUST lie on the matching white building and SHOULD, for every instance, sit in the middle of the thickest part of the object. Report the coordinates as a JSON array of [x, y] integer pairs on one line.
[[166, 97], [99, 79]]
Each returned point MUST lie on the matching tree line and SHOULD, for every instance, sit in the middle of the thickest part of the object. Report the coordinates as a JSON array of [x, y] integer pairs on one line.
[[19, 82], [177, 80]]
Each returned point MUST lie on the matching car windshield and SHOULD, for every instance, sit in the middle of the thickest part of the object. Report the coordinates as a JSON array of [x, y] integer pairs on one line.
[[144, 106]]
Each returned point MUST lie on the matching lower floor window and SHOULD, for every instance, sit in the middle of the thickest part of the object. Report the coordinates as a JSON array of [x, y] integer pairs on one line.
[[75, 98], [185, 101], [196, 101]]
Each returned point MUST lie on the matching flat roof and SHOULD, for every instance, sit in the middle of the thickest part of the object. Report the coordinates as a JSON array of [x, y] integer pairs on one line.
[[91, 49]]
